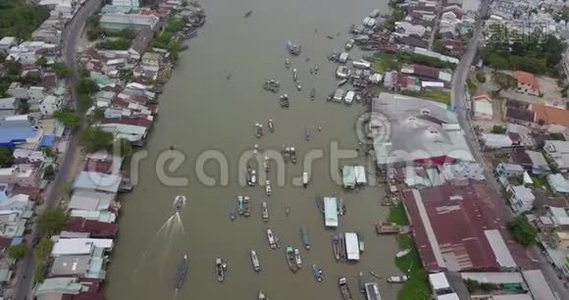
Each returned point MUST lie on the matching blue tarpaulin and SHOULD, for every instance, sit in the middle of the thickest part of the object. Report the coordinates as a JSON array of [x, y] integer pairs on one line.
[[47, 140]]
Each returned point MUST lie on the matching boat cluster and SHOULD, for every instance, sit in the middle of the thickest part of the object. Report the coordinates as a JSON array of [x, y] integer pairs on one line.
[[272, 85], [289, 154], [259, 128]]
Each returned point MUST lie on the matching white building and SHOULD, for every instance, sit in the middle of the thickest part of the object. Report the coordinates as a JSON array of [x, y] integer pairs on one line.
[[129, 3], [49, 105], [558, 183], [482, 107], [521, 198]]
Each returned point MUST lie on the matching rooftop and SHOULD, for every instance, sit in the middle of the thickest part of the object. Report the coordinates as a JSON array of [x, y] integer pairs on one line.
[[526, 79]]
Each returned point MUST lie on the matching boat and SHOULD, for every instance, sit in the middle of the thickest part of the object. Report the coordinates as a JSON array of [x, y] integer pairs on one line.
[[304, 179], [248, 14], [330, 37], [255, 261], [262, 296], [251, 177], [361, 282], [312, 94], [387, 228], [271, 126], [232, 215], [402, 253], [294, 75], [336, 246], [292, 155], [293, 49], [272, 239], [287, 211], [307, 134], [372, 291], [246, 206], [397, 279], [181, 272], [179, 202], [298, 87], [220, 269], [342, 82], [284, 101], [318, 274], [305, 238], [290, 259], [258, 130], [287, 63], [268, 189], [341, 207], [361, 242], [350, 44], [297, 258], [272, 85], [240, 207], [344, 288], [266, 164], [265, 212]]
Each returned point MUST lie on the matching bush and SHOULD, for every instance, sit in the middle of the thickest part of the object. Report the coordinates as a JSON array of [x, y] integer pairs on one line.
[[94, 139], [69, 118], [114, 44], [18, 251], [481, 77], [49, 173], [522, 231], [51, 221], [61, 70], [498, 129]]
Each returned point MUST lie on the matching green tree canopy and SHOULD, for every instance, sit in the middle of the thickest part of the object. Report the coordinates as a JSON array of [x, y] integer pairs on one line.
[[522, 231], [51, 221], [69, 118], [94, 139], [5, 157], [18, 251], [504, 81], [61, 70], [43, 249], [86, 86]]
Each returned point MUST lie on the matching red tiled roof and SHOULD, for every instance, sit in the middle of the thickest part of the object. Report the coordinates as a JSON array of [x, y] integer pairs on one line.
[[95, 228], [482, 96], [551, 115], [99, 166], [458, 216], [527, 79], [137, 121]]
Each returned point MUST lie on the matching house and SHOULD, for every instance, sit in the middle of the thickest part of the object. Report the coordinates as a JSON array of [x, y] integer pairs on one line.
[[132, 128], [79, 246], [521, 198], [7, 106], [532, 161], [118, 22], [23, 174], [126, 3], [496, 141], [95, 229], [140, 43], [50, 105], [551, 115], [482, 106], [527, 83], [82, 266], [36, 94], [558, 154], [7, 42], [152, 59], [509, 170], [520, 116], [94, 181], [558, 183], [90, 200], [18, 91]]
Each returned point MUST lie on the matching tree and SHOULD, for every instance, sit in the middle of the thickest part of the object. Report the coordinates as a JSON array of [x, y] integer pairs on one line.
[[18, 251], [498, 129], [61, 70], [87, 86], [503, 81], [5, 157], [522, 231], [94, 139], [69, 118], [23, 106], [481, 77], [49, 173], [41, 62], [98, 114], [43, 249], [51, 221]]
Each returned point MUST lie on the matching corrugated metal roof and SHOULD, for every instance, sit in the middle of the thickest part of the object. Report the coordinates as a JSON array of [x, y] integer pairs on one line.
[[503, 255]]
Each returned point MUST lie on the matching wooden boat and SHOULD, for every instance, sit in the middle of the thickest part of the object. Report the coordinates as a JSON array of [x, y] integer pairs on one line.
[[246, 206], [361, 242], [312, 94], [298, 87], [266, 164], [290, 259], [387, 228], [305, 238], [181, 272], [361, 282], [297, 258], [307, 134], [293, 49], [342, 248], [240, 206], [220, 269], [287, 211], [272, 239], [344, 288], [248, 14], [397, 279], [255, 261], [271, 126], [317, 272], [336, 246], [287, 63], [265, 212], [262, 296], [232, 214]]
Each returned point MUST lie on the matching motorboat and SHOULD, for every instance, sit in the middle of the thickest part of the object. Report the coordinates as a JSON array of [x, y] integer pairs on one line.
[[318, 274], [262, 296], [297, 258], [258, 130], [284, 101], [298, 87], [240, 207], [312, 94], [295, 75], [271, 126], [266, 164], [179, 202], [272, 239], [305, 238], [181, 272], [287, 63], [293, 49], [251, 177], [248, 14], [255, 261], [246, 206], [290, 259], [220, 269], [350, 44], [232, 215], [265, 212], [304, 179], [397, 279], [344, 288], [268, 188], [307, 134]]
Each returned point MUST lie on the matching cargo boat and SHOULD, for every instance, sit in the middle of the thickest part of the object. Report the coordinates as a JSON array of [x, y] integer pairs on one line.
[[305, 238], [372, 291], [181, 272], [297, 258], [344, 288], [255, 261], [318, 274], [272, 239]]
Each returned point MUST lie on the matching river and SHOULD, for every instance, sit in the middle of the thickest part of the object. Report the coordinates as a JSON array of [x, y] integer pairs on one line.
[[201, 110]]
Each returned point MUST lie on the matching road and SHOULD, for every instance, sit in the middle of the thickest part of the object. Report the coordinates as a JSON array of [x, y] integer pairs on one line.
[[461, 107], [72, 33]]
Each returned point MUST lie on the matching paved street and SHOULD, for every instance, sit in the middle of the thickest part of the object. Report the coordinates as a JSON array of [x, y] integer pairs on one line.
[[71, 35], [461, 107]]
